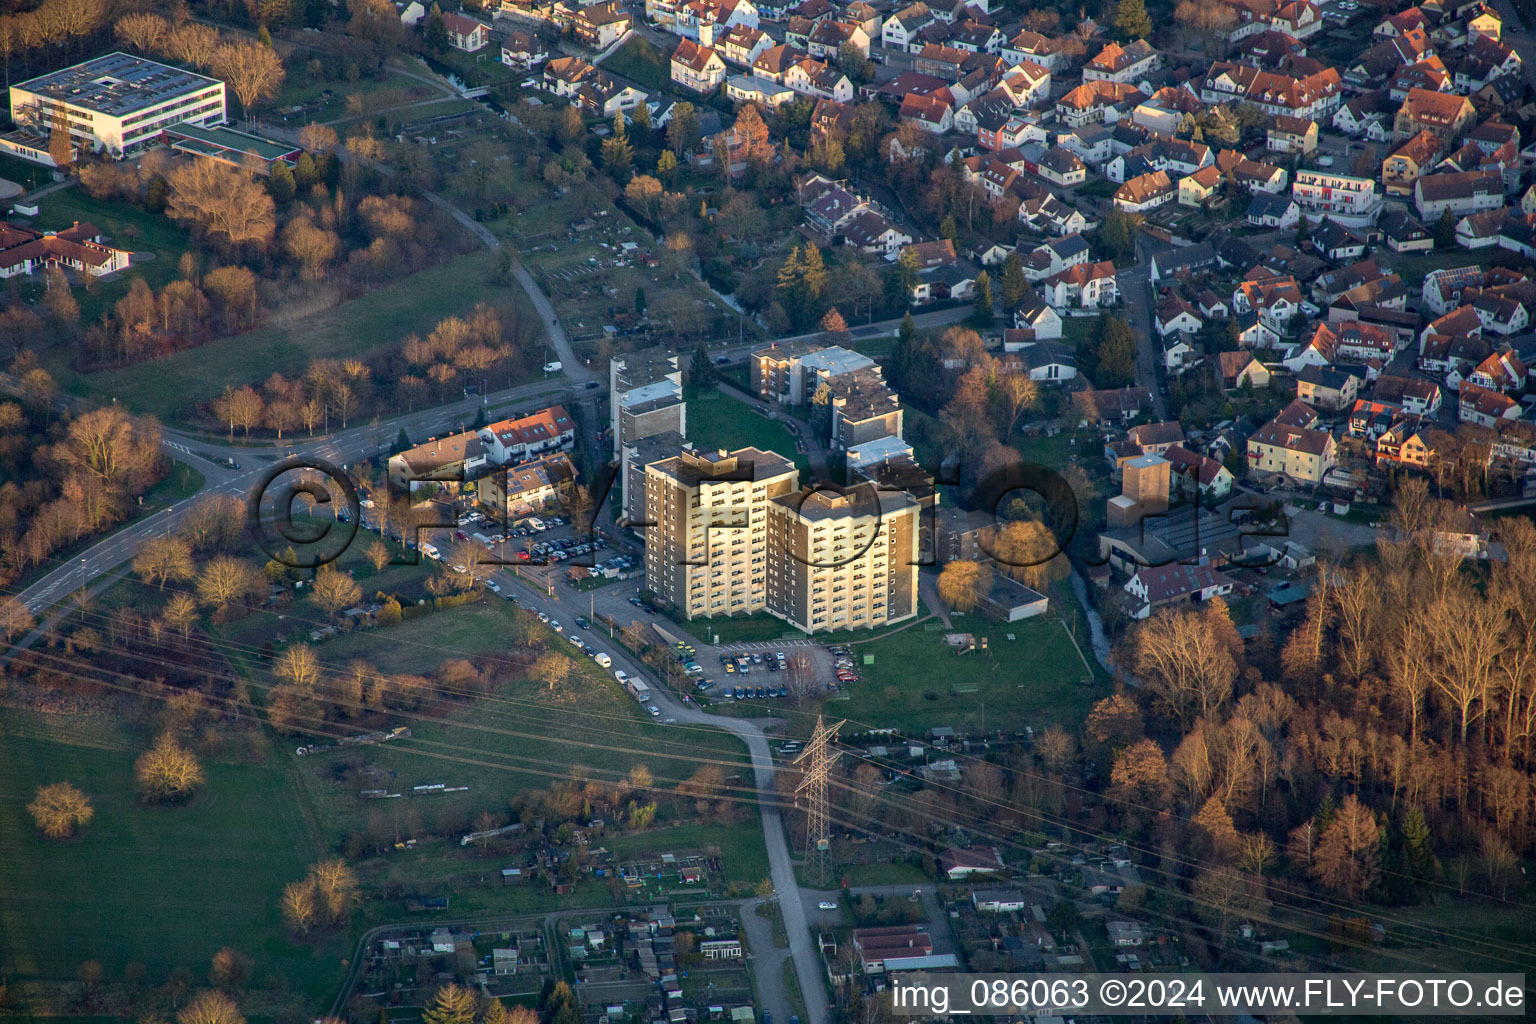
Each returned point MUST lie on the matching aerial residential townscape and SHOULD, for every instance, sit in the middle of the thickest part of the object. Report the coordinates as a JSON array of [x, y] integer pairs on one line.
[[753, 511]]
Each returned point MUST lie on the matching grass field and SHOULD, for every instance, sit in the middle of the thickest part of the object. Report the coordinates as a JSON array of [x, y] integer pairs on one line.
[[172, 384], [523, 736], [165, 887], [716, 420], [157, 243], [918, 682]]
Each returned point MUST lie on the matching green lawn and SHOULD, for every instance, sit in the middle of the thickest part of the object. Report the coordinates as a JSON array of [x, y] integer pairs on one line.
[[160, 886], [716, 420], [157, 243], [172, 384], [1413, 268], [24, 173], [524, 735], [917, 682], [643, 62]]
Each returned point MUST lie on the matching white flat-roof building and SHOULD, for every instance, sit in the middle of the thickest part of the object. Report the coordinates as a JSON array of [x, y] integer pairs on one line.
[[115, 104], [865, 457]]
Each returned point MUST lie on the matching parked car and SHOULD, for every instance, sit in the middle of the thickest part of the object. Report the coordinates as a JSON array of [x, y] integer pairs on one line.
[[826, 905]]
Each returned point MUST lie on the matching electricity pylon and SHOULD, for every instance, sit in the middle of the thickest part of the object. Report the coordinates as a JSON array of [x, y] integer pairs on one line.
[[818, 757]]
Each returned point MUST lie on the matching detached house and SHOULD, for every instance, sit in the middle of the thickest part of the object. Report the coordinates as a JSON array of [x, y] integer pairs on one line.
[[1145, 192], [1089, 285], [1484, 407], [1300, 453], [466, 34], [697, 67], [1441, 114], [1116, 63], [602, 25], [1461, 193]]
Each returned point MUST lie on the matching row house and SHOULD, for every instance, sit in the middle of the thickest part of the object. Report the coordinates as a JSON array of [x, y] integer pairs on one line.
[[1124, 64], [743, 45], [1312, 96]]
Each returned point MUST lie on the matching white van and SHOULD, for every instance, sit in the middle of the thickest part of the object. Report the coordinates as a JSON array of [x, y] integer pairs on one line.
[[535, 524], [621, 675], [602, 659], [431, 552], [553, 367]]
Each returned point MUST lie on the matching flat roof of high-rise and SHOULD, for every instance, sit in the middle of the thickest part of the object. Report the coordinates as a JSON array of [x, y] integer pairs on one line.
[[116, 84]]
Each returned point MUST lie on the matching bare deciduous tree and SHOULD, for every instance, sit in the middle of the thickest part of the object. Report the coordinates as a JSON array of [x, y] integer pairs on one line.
[[167, 771], [59, 808]]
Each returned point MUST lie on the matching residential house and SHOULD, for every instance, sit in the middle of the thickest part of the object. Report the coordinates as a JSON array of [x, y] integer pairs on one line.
[[1299, 453], [1125, 64], [697, 67], [1164, 586], [1088, 286], [1288, 134], [601, 25], [522, 51], [466, 33], [1324, 387], [1412, 157], [1443, 115], [1484, 407], [1459, 193], [1194, 474], [1198, 188], [1145, 192], [1242, 369]]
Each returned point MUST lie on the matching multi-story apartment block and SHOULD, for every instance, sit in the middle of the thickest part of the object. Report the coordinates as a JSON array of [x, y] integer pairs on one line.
[[645, 391], [706, 548], [791, 373], [1337, 195], [843, 560]]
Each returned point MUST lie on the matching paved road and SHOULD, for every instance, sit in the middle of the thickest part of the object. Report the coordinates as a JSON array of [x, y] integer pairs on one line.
[[808, 969], [1136, 287]]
